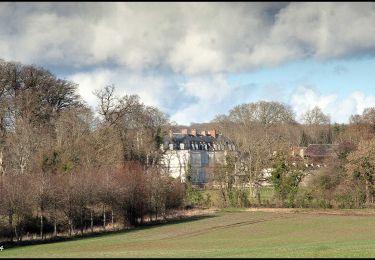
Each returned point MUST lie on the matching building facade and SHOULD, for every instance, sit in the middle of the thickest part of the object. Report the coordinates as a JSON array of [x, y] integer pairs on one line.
[[190, 155]]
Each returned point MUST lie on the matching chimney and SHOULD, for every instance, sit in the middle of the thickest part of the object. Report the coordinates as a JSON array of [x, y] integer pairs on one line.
[[212, 133], [194, 132], [204, 132], [184, 131]]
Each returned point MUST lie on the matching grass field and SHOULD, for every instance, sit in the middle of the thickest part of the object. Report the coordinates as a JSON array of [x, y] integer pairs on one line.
[[306, 233]]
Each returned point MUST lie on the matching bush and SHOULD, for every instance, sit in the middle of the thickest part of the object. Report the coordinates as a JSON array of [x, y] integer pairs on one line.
[[238, 198], [5, 232], [344, 201], [324, 204], [304, 198], [31, 224], [197, 197], [175, 194]]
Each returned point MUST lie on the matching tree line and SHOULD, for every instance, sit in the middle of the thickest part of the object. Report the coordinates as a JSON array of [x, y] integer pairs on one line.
[[264, 132], [65, 170]]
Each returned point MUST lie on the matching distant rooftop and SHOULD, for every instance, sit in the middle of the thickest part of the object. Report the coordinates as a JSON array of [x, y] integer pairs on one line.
[[319, 150], [203, 140]]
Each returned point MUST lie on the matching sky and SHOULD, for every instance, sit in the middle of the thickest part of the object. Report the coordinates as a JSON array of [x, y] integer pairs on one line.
[[197, 60]]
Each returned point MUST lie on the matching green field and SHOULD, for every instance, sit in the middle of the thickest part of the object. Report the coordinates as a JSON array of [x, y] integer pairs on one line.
[[228, 234]]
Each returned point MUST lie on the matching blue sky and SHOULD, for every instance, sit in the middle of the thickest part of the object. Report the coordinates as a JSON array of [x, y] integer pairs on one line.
[[197, 60], [340, 77]]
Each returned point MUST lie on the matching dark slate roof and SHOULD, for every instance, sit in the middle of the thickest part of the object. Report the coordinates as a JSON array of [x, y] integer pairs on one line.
[[320, 150], [198, 139]]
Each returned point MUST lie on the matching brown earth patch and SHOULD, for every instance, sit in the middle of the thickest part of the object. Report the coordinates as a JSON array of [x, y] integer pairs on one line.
[[342, 212]]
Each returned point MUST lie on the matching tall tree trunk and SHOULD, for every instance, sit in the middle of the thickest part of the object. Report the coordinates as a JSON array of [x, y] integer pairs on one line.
[[91, 222], [112, 218], [15, 227], [2, 172], [55, 228], [55, 221], [104, 216], [70, 227], [125, 218], [15, 232], [70, 213], [258, 195], [41, 224], [81, 220], [11, 225]]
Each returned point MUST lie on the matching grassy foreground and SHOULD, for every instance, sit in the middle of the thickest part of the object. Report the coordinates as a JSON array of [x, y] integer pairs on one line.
[[228, 234]]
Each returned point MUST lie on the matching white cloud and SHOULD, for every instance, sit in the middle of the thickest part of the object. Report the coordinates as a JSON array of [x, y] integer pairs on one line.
[[151, 89], [189, 38], [200, 99], [340, 109], [195, 54], [207, 88], [211, 95], [88, 82], [362, 101], [197, 100]]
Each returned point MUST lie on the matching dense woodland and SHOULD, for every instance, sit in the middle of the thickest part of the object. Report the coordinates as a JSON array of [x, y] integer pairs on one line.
[[264, 132], [64, 170], [67, 169]]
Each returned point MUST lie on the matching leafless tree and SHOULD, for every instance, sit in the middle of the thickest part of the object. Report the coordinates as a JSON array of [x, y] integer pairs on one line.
[[262, 112], [361, 165], [316, 116]]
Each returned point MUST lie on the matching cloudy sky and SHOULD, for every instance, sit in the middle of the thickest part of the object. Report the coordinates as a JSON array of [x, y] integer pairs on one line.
[[197, 60]]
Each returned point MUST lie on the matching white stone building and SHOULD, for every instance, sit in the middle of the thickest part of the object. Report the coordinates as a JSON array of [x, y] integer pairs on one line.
[[194, 153]]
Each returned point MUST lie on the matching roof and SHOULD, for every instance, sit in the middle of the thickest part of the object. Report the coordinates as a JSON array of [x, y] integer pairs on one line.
[[318, 153], [189, 139], [319, 150], [181, 138]]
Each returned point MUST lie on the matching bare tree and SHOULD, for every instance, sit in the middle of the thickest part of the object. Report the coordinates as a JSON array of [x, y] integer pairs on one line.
[[138, 126], [258, 130], [361, 165], [316, 116], [262, 112], [368, 115]]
